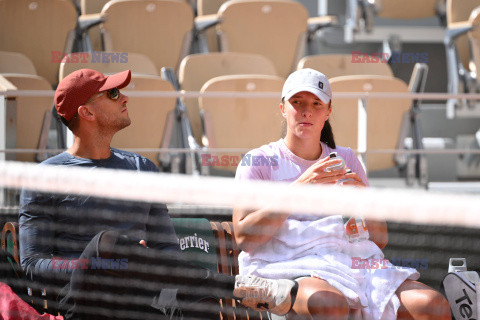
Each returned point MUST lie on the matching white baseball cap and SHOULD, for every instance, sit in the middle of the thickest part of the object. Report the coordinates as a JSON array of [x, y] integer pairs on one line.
[[307, 80]]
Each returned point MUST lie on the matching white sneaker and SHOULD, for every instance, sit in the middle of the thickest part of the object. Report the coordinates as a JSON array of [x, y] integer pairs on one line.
[[262, 294]]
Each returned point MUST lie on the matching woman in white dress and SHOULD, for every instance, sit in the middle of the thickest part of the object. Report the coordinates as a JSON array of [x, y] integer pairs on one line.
[[336, 276]]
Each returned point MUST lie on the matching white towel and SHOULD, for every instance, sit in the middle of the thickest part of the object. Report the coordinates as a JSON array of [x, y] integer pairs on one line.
[[320, 248]]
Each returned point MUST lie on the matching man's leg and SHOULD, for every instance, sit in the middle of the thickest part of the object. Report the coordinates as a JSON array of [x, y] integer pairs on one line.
[[98, 292], [152, 271]]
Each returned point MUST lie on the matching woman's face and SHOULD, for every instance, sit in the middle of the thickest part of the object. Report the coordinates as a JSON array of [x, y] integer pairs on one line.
[[305, 114]]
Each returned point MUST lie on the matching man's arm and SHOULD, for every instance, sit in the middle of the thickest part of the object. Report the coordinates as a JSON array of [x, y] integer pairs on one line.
[[37, 236], [160, 233], [159, 230]]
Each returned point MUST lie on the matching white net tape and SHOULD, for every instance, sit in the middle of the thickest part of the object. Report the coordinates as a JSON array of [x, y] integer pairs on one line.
[[237, 94], [412, 206]]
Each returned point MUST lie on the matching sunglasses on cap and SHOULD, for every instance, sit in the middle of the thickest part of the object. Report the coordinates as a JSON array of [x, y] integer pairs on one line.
[[113, 94]]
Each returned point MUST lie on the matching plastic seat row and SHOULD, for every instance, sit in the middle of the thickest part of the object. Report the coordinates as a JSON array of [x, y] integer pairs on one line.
[[160, 29], [246, 122]]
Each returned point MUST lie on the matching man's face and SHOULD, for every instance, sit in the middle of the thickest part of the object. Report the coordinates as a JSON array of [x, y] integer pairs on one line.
[[111, 114]]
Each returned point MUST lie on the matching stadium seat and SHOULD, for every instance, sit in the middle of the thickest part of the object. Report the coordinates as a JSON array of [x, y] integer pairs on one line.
[[336, 65], [16, 62], [207, 11], [373, 126], [459, 11], [208, 17], [474, 37], [265, 31], [39, 30], [33, 115], [108, 63], [205, 7], [159, 29], [92, 7], [460, 65], [196, 69], [392, 9], [246, 122]]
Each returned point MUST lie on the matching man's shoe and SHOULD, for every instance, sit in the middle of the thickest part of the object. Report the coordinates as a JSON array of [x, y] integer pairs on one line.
[[263, 294]]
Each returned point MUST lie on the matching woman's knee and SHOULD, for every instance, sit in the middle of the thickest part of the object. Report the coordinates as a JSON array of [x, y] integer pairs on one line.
[[437, 306], [318, 299], [328, 304], [422, 302]]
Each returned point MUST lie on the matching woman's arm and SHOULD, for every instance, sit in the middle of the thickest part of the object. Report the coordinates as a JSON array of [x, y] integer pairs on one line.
[[378, 232], [376, 229], [254, 228]]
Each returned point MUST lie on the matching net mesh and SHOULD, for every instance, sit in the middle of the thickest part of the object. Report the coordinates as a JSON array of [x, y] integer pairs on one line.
[[425, 230]]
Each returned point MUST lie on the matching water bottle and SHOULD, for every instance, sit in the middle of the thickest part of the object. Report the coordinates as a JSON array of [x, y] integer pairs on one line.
[[338, 166], [356, 230]]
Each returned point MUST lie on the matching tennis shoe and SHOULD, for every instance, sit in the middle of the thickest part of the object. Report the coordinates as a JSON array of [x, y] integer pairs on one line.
[[260, 294]]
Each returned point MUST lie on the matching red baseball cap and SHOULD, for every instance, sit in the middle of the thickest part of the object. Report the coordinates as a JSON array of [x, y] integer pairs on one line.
[[79, 86]]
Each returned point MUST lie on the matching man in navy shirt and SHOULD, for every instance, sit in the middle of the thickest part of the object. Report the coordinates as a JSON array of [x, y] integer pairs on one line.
[[61, 234]]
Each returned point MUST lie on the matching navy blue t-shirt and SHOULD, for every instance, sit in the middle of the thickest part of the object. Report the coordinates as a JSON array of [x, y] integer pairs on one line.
[[61, 225]]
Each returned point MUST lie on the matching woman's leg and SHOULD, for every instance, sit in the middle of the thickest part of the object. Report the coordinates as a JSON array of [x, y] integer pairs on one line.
[[420, 302], [317, 299]]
